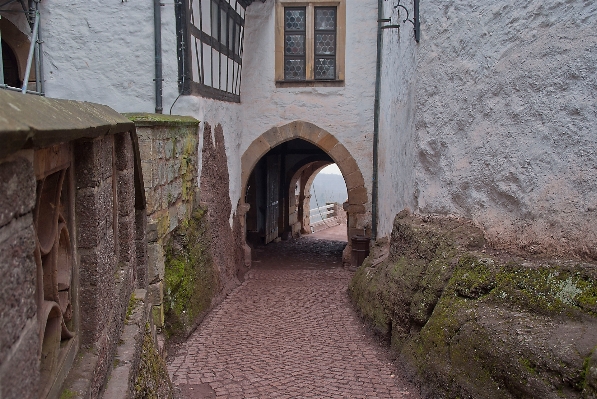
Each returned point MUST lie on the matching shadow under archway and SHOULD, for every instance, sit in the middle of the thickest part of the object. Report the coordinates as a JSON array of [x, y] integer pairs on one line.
[[323, 149]]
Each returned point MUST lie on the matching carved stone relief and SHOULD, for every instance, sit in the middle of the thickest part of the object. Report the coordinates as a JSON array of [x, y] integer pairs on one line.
[[54, 257]]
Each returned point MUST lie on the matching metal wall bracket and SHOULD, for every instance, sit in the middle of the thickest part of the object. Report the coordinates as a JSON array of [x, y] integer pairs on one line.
[[414, 20]]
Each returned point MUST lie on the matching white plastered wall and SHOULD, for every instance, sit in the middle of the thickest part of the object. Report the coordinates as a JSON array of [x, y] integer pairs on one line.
[[345, 112], [103, 52], [506, 119], [397, 113]]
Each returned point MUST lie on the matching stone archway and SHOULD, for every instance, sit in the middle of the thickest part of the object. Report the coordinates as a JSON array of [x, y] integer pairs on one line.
[[357, 192]]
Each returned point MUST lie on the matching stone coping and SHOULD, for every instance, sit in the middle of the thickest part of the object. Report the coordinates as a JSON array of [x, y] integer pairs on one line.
[[30, 121], [147, 119]]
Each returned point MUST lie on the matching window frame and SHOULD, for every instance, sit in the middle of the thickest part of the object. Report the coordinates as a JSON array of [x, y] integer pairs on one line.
[[310, 80]]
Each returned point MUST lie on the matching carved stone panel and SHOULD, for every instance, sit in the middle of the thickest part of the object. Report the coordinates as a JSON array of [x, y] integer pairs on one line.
[[54, 258]]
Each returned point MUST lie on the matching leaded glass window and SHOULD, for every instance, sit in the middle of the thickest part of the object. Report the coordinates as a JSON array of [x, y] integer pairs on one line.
[[325, 42], [310, 36], [295, 23]]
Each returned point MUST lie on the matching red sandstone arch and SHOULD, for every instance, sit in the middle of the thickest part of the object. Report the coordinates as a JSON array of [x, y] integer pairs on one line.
[[355, 184]]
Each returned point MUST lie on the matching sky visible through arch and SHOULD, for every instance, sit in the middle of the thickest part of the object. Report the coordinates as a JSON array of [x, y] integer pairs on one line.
[[328, 186]]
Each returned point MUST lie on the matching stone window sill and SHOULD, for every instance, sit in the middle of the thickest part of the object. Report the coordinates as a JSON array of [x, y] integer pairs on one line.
[[309, 83]]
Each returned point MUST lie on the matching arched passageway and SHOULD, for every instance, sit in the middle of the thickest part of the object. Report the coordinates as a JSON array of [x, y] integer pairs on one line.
[[285, 160]]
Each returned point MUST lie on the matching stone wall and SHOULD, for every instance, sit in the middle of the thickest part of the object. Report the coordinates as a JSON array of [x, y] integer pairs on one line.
[[72, 234], [168, 149], [20, 340], [505, 120]]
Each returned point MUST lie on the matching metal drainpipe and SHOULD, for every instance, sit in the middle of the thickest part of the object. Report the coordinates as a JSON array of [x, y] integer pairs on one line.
[[374, 193], [157, 27], [1, 60]]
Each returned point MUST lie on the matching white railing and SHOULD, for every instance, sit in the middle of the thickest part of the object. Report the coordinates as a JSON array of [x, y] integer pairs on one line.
[[319, 216]]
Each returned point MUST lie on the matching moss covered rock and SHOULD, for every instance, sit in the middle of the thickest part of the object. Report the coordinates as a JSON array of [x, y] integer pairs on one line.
[[190, 280], [475, 323]]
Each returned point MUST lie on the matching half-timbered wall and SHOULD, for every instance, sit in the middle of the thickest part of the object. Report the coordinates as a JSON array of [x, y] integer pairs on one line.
[[211, 59]]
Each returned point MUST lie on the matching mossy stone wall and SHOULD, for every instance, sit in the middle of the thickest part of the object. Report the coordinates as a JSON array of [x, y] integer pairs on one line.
[[471, 322], [191, 280]]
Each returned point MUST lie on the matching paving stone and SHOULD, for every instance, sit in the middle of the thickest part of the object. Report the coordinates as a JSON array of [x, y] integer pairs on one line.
[[289, 331]]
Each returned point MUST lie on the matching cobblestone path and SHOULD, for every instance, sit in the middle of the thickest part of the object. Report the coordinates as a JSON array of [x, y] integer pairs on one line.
[[288, 332]]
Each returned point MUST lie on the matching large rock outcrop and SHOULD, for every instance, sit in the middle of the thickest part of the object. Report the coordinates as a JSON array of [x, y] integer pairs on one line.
[[472, 322]]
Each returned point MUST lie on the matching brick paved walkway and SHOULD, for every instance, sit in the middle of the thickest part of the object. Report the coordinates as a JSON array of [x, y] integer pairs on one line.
[[288, 332]]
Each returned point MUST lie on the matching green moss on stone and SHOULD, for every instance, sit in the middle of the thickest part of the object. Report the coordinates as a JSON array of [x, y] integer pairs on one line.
[[152, 381], [160, 119], [190, 281], [473, 324], [68, 394]]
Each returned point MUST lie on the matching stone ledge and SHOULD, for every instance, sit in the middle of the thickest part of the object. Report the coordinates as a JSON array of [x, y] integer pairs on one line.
[[28, 121], [147, 120], [128, 352]]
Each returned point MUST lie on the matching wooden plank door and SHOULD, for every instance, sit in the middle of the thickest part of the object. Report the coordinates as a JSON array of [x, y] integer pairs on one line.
[[273, 195]]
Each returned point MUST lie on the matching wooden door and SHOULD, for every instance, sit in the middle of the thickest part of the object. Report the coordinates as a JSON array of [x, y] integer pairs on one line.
[[273, 195]]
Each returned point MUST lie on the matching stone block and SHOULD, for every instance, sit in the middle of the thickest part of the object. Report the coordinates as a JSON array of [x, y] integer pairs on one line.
[[150, 198], [147, 170], [339, 153], [89, 220], [183, 211], [176, 189], [255, 151], [357, 196], [126, 238], [152, 232], [327, 142], [169, 149], [88, 296], [126, 192], [105, 205], [17, 189], [291, 130], [354, 209], [17, 286], [173, 218], [178, 148], [155, 293], [87, 163], [171, 171], [312, 133], [145, 149], [348, 166], [107, 156], [155, 262], [165, 197], [273, 136], [123, 148], [157, 313], [19, 372], [354, 180], [159, 149], [141, 247], [162, 172]]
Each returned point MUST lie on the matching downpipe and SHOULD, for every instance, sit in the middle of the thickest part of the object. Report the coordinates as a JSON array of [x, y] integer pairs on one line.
[[157, 26], [376, 111]]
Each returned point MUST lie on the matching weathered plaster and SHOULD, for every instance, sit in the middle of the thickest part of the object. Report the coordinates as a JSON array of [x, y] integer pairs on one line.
[[396, 127], [506, 119]]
